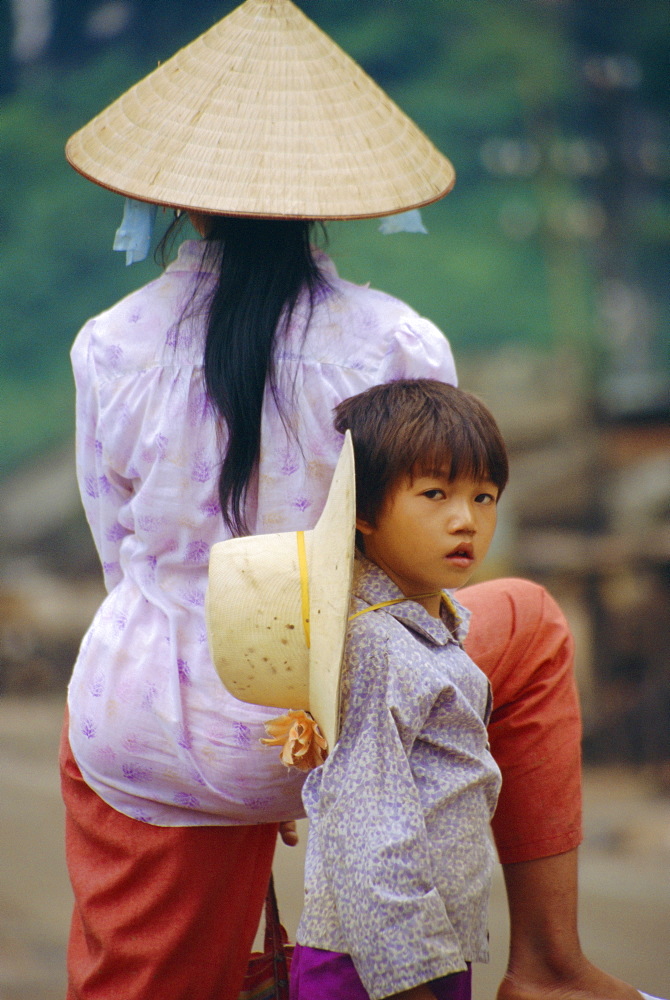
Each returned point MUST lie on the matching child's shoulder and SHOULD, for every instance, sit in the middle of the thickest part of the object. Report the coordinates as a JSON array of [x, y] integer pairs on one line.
[[372, 628]]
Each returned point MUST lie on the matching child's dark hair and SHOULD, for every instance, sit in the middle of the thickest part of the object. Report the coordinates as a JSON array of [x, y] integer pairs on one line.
[[418, 427]]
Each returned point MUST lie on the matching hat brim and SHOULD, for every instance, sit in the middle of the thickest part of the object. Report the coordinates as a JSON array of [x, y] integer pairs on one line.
[[330, 576]]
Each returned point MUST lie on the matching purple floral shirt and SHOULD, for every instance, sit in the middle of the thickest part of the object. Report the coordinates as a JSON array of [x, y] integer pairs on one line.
[[152, 728], [399, 856]]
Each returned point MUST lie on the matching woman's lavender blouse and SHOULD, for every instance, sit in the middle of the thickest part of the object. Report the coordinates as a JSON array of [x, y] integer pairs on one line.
[[152, 728]]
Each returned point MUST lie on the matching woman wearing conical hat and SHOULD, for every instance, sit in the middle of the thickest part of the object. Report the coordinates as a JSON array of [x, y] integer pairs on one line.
[[204, 410]]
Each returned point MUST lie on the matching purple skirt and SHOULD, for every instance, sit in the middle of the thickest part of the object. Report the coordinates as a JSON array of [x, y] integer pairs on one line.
[[317, 975]]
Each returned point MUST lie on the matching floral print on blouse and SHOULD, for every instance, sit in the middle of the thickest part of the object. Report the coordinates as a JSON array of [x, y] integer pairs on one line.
[[152, 728], [399, 856]]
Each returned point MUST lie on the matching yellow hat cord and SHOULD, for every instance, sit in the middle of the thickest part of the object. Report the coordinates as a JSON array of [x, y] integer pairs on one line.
[[304, 582], [418, 597]]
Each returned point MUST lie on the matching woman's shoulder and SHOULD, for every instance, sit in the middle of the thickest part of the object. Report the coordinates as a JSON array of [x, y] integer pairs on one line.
[[388, 309], [142, 329], [360, 327]]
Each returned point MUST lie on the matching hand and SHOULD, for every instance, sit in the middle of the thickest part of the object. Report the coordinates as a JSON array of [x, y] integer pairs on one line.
[[289, 832]]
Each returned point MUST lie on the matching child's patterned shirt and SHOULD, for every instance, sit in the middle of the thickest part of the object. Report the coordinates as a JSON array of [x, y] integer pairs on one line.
[[399, 858]]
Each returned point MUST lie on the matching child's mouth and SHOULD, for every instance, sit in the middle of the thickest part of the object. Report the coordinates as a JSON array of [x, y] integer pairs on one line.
[[461, 557]]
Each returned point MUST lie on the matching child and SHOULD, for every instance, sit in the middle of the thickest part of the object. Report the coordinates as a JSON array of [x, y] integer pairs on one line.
[[399, 858]]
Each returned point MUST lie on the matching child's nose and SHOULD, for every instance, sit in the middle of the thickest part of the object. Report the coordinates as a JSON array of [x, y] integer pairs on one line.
[[461, 517]]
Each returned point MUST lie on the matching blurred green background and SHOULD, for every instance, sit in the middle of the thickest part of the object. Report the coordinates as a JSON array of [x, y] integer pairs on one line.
[[554, 113]]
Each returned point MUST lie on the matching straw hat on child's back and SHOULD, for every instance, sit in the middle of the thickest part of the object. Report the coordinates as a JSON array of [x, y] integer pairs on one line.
[[277, 606]]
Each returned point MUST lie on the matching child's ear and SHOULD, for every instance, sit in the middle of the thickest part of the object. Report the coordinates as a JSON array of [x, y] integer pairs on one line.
[[364, 527]]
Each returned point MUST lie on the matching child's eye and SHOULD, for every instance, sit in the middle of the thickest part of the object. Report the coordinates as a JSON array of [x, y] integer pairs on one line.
[[485, 498], [435, 494]]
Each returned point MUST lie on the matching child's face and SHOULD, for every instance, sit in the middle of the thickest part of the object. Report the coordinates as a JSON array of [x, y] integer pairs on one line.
[[431, 534]]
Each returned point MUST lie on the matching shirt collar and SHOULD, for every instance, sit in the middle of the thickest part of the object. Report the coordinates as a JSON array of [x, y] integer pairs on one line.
[[190, 257], [373, 586]]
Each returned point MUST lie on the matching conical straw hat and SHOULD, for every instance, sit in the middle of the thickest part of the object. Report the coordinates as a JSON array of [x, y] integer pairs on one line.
[[262, 115]]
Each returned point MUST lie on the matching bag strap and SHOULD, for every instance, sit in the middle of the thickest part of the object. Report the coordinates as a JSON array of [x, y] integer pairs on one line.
[[275, 939]]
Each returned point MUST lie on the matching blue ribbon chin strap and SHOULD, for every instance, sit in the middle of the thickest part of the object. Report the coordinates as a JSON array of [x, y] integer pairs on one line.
[[404, 222], [134, 233]]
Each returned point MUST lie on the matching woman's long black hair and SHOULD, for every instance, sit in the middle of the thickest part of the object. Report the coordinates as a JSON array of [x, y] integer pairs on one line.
[[263, 265]]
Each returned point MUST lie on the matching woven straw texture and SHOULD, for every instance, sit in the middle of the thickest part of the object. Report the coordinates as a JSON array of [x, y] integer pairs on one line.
[[262, 115]]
